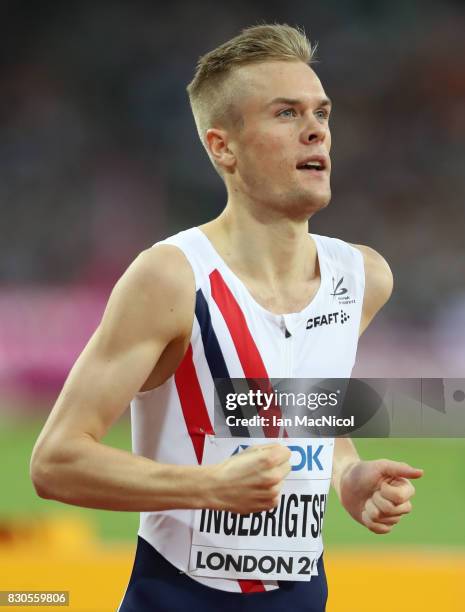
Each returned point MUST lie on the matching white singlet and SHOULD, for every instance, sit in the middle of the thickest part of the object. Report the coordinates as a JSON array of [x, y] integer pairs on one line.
[[235, 337]]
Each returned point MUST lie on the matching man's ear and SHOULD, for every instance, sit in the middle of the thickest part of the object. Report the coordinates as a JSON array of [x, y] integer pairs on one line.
[[216, 141]]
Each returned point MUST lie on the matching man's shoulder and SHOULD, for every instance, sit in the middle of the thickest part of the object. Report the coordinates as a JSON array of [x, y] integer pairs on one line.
[[158, 279], [161, 267], [378, 280], [154, 297], [377, 269]]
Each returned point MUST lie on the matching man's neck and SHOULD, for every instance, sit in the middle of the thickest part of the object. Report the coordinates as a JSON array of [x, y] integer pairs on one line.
[[277, 252]]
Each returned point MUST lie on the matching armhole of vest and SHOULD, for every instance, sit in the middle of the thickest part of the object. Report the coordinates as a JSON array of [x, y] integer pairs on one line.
[[354, 260], [197, 278], [359, 272], [193, 250], [360, 264], [190, 258]]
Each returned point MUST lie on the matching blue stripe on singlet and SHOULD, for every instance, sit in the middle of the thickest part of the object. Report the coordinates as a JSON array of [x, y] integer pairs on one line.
[[212, 348], [215, 360]]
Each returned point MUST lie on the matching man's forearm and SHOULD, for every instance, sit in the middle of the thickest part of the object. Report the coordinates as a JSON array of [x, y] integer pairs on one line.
[[88, 473], [345, 455]]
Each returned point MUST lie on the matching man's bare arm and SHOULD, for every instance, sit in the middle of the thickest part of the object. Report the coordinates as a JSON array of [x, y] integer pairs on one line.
[[378, 284], [375, 493], [378, 289], [150, 309]]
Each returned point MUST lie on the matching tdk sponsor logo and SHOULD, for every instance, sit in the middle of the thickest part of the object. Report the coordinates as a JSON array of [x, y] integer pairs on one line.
[[240, 448], [329, 318], [302, 458], [308, 458]]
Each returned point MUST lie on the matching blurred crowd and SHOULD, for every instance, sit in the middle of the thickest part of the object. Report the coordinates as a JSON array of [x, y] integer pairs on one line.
[[99, 156]]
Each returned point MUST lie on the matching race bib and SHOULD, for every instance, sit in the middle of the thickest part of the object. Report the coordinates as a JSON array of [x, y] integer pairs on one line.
[[281, 544]]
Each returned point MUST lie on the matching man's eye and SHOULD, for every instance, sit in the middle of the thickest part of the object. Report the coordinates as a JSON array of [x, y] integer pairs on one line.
[[290, 113], [322, 114]]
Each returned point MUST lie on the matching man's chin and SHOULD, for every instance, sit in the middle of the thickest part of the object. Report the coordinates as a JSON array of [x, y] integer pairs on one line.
[[301, 204], [304, 207], [314, 202]]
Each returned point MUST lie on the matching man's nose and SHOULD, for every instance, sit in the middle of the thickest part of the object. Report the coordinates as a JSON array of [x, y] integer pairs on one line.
[[314, 131]]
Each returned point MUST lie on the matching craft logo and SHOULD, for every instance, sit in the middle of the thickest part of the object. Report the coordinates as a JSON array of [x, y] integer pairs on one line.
[[340, 292], [328, 319]]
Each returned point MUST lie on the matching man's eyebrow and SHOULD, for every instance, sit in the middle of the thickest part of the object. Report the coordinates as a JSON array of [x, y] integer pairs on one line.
[[296, 102]]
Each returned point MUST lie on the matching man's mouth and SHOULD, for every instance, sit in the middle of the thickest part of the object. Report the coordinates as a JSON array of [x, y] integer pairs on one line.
[[314, 163], [310, 166]]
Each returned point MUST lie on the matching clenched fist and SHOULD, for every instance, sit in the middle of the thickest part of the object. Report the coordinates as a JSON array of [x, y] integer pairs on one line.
[[377, 493], [250, 481]]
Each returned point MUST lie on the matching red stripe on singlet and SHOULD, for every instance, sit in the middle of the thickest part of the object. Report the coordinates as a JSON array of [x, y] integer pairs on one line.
[[247, 350], [192, 403], [251, 362], [197, 423]]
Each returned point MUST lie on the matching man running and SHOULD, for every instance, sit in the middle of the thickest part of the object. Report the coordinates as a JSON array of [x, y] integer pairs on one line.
[[224, 524]]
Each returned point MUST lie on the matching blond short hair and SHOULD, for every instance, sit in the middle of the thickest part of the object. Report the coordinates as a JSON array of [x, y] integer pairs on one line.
[[210, 97]]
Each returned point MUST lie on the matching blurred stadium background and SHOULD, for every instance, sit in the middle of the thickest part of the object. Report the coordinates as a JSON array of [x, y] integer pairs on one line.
[[100, 158]]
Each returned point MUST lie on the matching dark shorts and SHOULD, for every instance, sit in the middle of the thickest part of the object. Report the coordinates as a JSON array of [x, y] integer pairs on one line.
[[157, 586]]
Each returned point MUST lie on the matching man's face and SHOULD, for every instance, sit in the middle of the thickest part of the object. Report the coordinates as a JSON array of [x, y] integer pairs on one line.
[[282, 148]]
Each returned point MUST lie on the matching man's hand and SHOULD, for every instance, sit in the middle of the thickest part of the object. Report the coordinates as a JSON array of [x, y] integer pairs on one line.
[[250, 481], [377, 493]]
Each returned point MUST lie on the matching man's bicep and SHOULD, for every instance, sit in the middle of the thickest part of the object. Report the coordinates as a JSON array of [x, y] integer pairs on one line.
[[100, 387], [149, 308]]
